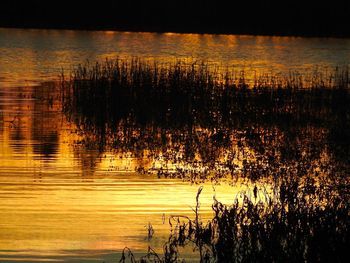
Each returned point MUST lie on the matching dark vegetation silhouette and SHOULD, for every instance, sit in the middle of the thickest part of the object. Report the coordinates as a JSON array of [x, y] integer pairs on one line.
[[210, 124], [271, 17], [214, 124], [304, 223]]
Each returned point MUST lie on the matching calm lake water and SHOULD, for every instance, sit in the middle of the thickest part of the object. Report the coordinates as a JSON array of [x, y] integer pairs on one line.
[[61, 201], [30, 56]]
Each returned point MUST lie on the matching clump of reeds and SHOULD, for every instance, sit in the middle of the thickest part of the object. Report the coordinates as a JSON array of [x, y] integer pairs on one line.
[[304, 223], [181, 94], [208, 122]]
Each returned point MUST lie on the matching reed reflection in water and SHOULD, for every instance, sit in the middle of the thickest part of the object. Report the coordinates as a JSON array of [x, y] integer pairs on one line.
[[201, 126], [61, 200], [211, 121], [99, 163]]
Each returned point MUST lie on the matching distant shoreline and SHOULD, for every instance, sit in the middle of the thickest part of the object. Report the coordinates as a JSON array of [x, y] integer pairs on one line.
[[266, 17], [152, 29]]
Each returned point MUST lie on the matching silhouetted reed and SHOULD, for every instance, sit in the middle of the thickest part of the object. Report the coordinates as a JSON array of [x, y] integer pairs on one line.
[[207, 123], [302, 223], [203, 123]]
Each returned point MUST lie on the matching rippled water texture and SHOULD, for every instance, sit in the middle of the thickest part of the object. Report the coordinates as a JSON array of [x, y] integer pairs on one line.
[[61, 200], [29, 56]]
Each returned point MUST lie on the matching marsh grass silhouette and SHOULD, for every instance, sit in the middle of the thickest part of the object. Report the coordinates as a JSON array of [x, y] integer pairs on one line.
[[303, 223], [211, 123]]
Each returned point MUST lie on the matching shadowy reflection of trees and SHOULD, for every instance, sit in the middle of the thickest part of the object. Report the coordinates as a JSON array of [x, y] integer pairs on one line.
[[209, 123], [44, 122], [17, 137]]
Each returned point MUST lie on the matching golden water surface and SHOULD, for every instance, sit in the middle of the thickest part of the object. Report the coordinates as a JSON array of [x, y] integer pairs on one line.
[[61, 201]]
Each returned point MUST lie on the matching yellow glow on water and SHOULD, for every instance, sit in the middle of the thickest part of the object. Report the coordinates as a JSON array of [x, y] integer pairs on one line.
[[37, 55], [59, 199], [109, 32], [55, 214]]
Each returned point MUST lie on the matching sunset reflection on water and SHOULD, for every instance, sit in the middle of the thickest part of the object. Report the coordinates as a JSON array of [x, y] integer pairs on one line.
[[29, 56], [60, 200], [63, 198]]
